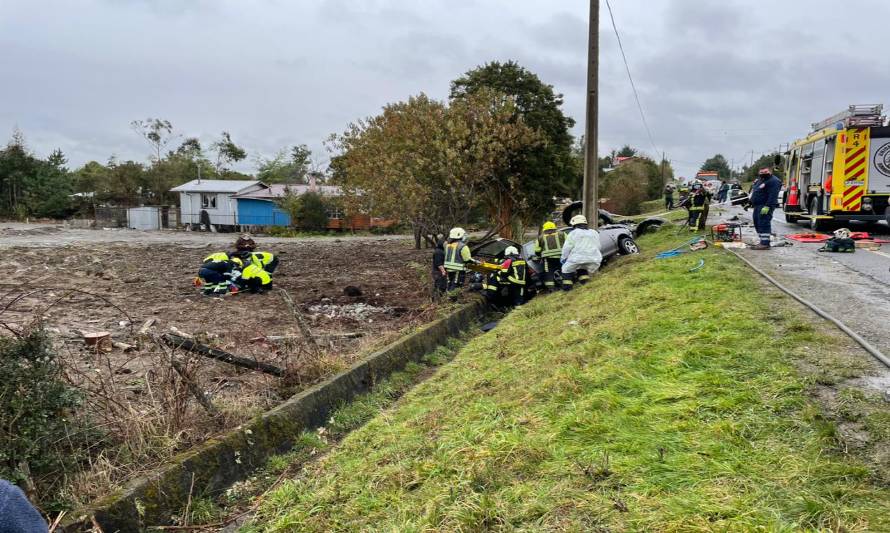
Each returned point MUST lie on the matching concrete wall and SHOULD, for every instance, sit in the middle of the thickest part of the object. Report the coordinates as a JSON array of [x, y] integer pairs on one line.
[[216, 464]]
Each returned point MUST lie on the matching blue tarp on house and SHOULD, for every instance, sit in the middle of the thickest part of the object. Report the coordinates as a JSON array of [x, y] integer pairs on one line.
[[253, 212]]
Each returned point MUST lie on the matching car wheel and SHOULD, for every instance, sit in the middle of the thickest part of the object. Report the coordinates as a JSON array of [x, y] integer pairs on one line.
[[627, 246], [791, 219]]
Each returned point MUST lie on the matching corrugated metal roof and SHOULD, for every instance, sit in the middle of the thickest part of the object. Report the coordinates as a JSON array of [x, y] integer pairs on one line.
[[233, 186], [279, 190]]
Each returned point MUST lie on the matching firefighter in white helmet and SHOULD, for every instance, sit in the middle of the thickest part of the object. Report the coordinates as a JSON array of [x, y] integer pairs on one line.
[[580, 254], [457, 255], [513, 274]]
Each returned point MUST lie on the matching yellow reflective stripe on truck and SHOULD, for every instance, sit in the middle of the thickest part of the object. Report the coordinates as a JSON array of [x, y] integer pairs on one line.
[[855, 158]]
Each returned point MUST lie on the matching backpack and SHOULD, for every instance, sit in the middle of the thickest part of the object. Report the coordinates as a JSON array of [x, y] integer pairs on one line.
[[839, 245]]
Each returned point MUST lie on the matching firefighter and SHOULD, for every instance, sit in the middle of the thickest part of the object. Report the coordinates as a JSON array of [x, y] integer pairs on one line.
[[512, 275], [217, 272], [580, 254], [491, 287], [684, 193], [549, 249], [668, 196], [695, 203], [457, 255], [254, 279], [265, 260], [764, 200]]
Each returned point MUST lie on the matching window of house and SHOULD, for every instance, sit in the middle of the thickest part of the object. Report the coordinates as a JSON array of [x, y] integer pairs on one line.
[[334, 212], [208, 201]]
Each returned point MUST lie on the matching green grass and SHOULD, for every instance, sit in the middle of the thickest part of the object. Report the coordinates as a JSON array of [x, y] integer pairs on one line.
[[653, 399]]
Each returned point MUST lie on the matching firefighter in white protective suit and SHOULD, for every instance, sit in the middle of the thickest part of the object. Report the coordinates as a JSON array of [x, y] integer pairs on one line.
[[580, 254]]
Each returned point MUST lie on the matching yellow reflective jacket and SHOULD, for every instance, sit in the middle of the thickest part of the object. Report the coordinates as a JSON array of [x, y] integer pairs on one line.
[[549, 245]]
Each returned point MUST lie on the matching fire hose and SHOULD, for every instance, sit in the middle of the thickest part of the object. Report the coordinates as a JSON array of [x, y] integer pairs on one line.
[[867, 346]]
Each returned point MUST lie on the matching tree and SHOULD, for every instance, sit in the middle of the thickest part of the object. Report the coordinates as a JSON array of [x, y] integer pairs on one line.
[[227, 152], [626, 186], [430, 164], [536, 172], [717, 164], [307, 211], [775, 161], [286, 167], [627, 151], [158, 132]]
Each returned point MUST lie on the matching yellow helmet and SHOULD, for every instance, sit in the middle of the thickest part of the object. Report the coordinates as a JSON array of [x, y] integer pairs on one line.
[[548, 225]]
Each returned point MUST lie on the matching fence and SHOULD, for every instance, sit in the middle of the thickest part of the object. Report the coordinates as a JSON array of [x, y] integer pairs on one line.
[[143, 218]]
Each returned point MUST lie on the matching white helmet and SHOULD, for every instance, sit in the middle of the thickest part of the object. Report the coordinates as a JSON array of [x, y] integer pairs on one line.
[[842, 233], [578, 219], [457, 233], [511, 250]]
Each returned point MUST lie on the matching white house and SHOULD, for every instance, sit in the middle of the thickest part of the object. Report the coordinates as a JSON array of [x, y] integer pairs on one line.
[[210, 201]]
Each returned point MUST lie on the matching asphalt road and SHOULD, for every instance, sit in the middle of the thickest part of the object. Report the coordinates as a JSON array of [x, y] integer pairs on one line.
[[854, 288]]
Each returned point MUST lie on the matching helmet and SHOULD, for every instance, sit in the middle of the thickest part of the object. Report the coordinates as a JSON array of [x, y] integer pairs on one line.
[[578, 219], [696, 186], [511, 250], [237, 261], [548, 225], [842, 233], [457, 233], [765, 172]]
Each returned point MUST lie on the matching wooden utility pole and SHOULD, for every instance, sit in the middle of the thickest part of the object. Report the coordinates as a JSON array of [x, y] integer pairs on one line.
[[591, 159]]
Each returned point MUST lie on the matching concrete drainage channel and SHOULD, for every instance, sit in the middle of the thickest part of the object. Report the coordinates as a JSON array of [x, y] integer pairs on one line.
[[215, 465]]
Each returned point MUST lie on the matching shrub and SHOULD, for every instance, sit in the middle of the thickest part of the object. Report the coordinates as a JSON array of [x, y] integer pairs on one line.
[[307, 211], [35, 404]]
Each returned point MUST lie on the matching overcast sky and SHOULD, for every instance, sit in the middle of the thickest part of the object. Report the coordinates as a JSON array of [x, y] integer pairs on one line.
[[726, 76]]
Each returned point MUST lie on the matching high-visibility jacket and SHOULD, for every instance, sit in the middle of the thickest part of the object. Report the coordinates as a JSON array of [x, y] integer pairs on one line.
[[261, 259], [513, 271], [216, 257], [582, 247], [550, 244], [253, 272], [457, 255], [697, 201]]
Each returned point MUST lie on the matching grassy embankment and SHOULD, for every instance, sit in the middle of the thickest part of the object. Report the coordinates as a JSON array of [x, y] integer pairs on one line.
[[653, 399]]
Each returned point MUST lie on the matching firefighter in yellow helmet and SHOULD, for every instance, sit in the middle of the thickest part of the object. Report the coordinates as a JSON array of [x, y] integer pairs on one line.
[[457, 256], [549, 249]]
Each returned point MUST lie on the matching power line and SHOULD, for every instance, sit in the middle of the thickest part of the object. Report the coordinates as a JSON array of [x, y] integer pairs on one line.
[[629, 77]]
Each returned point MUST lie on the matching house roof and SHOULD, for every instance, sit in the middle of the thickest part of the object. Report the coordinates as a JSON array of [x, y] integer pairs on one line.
[[279, 190], [232, 186]]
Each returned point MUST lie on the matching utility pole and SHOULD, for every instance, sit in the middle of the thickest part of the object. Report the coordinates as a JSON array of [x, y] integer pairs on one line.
[[590, 202], [663, 181]]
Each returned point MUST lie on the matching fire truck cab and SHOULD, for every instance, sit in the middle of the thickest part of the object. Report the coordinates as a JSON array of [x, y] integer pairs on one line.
[[840, 171]]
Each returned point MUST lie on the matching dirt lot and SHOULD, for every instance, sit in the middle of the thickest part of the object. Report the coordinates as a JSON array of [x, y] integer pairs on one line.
[[129, 277]]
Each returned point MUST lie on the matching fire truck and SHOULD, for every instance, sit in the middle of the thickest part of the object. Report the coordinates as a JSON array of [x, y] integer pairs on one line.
[[841, 171]]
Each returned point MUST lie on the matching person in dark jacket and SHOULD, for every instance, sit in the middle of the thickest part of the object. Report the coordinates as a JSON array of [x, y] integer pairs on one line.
[[764, 200], [668, 196], [17, 515], [440, 275]]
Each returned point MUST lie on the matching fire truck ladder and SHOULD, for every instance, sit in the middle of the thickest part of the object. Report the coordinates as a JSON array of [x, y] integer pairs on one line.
[[855, 116]]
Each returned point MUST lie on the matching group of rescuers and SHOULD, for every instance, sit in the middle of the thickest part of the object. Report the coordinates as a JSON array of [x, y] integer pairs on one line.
[[763, 198], [245, 269], [566, 258]]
